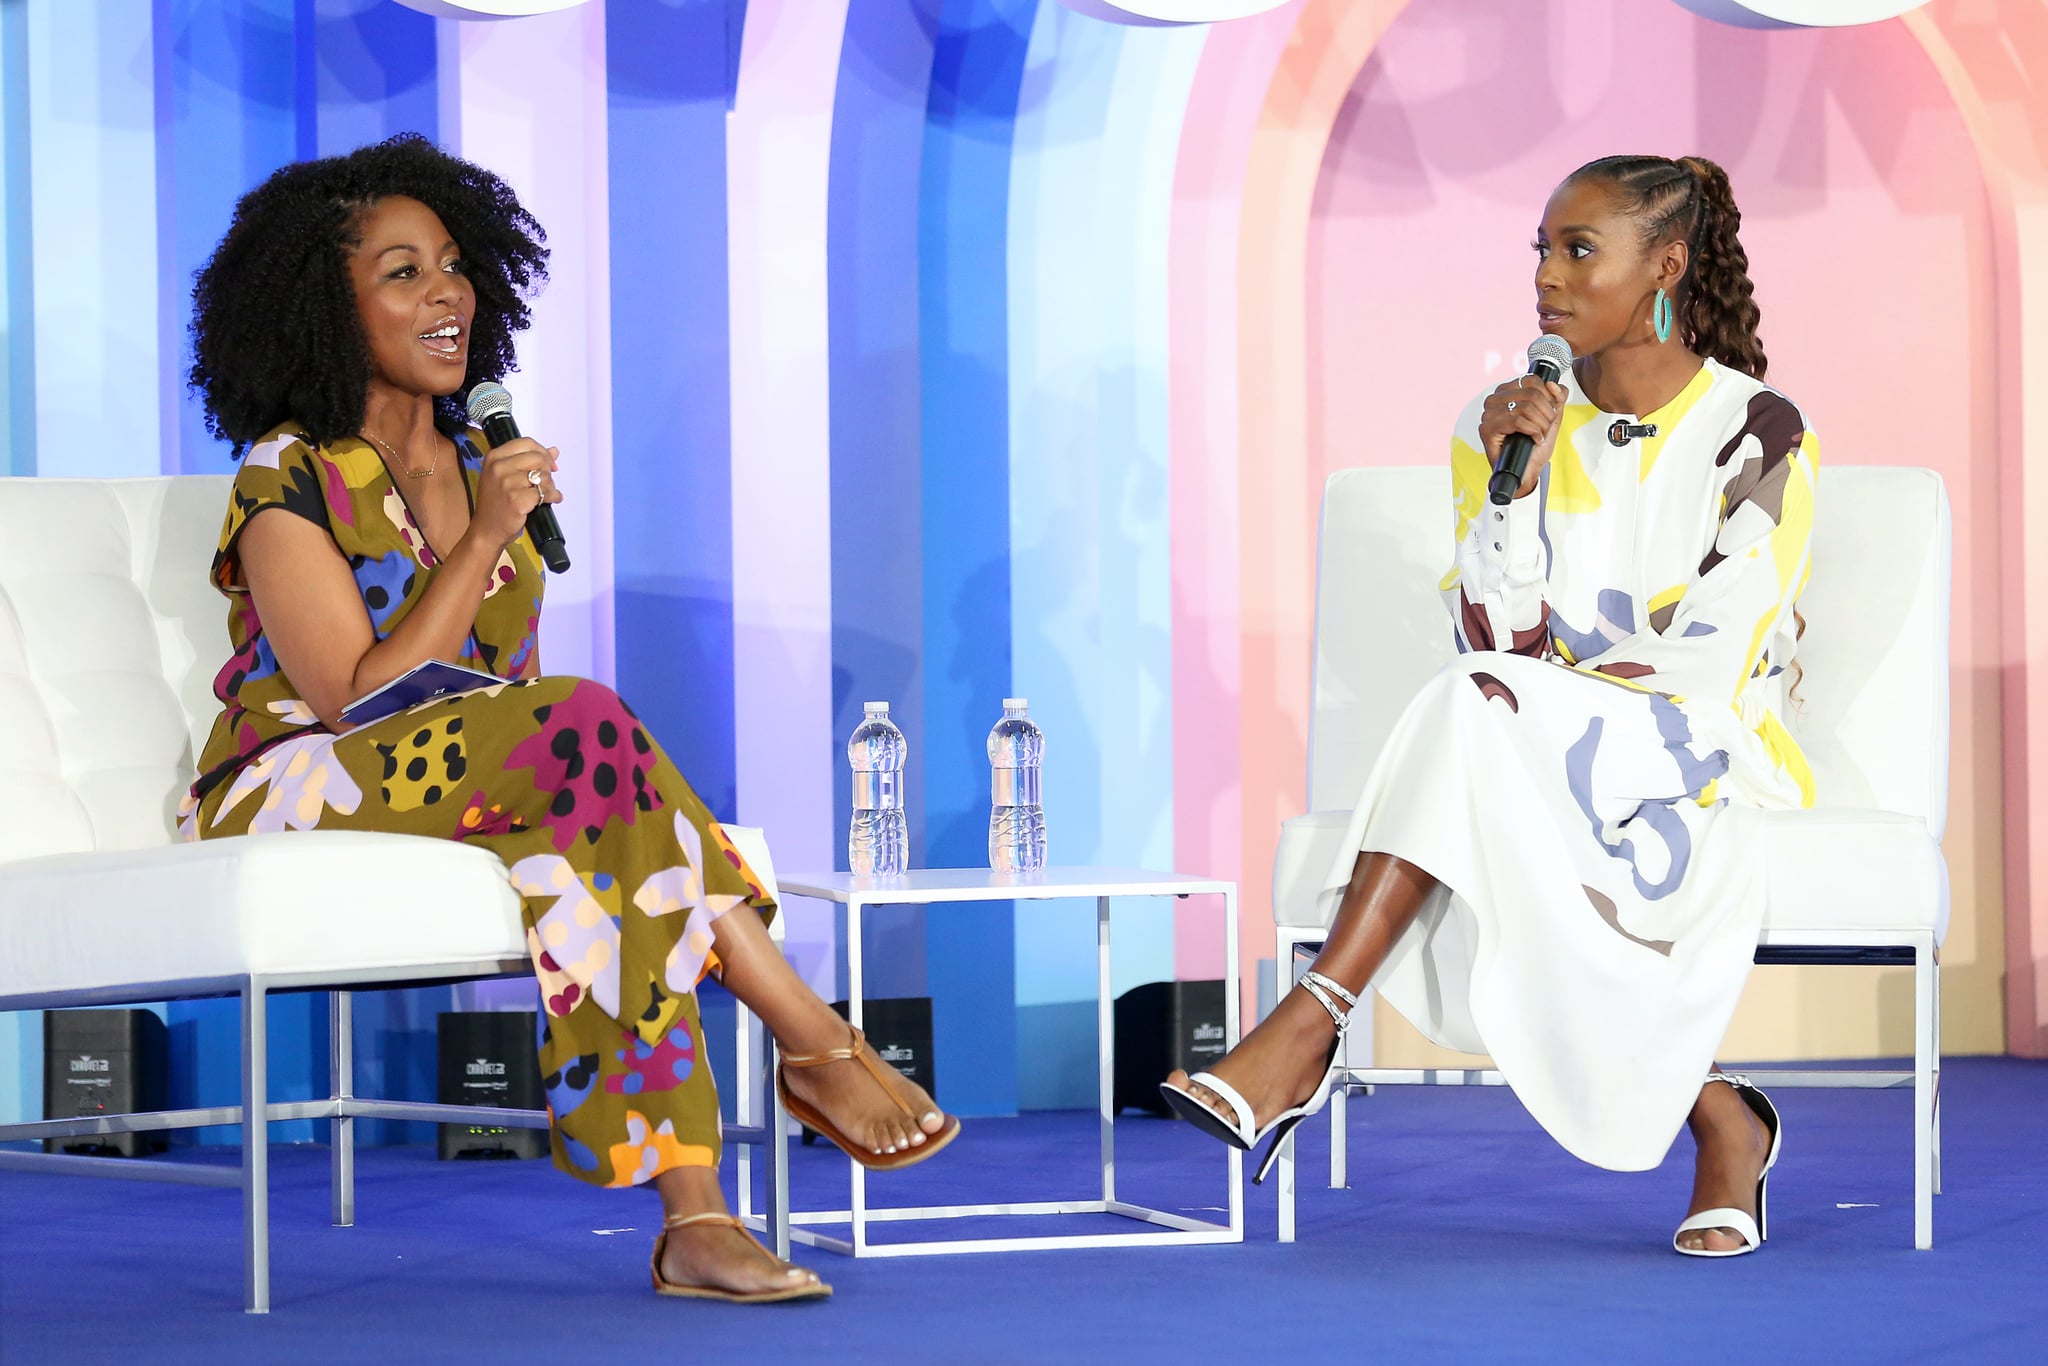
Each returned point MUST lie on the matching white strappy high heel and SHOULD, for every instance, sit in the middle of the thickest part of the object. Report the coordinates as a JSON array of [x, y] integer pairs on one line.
[[1751, 1231], [1238, 1132]]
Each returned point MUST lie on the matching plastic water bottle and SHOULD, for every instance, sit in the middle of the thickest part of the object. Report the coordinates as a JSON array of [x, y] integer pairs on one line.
[[879, 842], [1016, 822]]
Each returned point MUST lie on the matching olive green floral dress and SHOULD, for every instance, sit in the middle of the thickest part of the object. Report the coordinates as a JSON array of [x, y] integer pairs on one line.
[[622, 869]]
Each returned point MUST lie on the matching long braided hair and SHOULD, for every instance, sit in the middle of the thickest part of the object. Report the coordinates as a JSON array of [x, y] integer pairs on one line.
[[1689, 199]]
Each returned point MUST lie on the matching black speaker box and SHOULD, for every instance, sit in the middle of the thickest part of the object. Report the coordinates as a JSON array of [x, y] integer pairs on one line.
[[104, 1062], [899, 1029], [1161, 1026], [487, 1057]]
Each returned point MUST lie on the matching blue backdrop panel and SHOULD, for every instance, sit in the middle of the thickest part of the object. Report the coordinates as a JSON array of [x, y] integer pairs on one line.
[[18, 383], [977, 67], [231, 107], [671, 69], [375, 66], [877, 591]]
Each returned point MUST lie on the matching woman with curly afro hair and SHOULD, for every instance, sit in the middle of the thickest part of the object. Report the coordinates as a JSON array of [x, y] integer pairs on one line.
[[1558, 857], [351, 302]]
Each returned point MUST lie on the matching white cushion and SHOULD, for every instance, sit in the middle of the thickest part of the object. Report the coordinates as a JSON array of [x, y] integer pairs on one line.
[[1381, 631], [302, 901], [1839, 875], [110, 636], [308, 901], [1836, 876], [1872, 710]]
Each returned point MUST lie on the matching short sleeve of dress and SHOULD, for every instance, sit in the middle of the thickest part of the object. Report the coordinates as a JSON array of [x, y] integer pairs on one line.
[[280, 471]]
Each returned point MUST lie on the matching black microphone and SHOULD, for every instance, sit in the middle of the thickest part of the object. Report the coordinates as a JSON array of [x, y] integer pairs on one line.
[[490, 408], [1549, 358]]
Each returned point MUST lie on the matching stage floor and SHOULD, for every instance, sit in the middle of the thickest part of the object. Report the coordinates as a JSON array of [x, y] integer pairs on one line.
[[1467, 1235]]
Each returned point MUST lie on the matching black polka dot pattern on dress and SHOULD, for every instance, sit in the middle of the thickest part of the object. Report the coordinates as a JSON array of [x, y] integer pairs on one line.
[[422, 768], [590, 760]]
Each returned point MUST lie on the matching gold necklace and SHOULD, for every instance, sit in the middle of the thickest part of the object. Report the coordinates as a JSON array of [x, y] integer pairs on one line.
[[410, 471]]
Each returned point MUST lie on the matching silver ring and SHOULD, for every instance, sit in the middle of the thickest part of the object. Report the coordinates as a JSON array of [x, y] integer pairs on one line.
[[1511, 405], [533, 478]]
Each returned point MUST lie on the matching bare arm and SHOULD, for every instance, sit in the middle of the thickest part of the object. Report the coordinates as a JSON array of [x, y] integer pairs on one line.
[[312, 609], [313, 612]]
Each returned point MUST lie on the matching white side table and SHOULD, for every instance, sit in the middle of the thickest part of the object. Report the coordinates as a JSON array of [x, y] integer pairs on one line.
[[944, 885]]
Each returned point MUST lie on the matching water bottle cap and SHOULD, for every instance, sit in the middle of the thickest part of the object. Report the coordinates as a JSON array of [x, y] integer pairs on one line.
[[1015, 704], [875, 708]]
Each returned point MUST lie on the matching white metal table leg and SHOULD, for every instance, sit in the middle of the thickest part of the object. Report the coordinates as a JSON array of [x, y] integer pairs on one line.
[[1169, 1226], [342, 1133], [855, 1014], [255, 1149], [1105, 1050]]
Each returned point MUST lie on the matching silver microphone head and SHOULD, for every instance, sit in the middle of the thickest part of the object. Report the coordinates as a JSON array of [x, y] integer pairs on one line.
[[1547, 350], [488, 400]]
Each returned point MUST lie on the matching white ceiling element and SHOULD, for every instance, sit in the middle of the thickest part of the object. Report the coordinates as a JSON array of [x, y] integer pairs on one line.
[[489, 9], [1800, 13], [1154, 13]]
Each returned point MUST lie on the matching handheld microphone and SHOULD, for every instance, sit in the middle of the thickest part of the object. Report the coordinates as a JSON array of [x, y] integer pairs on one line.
[[1549, 358], [490, 408]]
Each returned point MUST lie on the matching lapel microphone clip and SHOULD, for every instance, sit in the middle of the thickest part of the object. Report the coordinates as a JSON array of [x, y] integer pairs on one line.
[[1621, 433]]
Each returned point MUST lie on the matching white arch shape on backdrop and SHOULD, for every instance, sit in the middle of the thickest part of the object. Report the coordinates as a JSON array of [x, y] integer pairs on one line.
[[1161, 13], [1746, 13], [1800, 13], [489, 9]]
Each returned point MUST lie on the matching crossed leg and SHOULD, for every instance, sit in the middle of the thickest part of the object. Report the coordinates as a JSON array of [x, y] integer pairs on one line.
[[1280, 1062], [754, 970]]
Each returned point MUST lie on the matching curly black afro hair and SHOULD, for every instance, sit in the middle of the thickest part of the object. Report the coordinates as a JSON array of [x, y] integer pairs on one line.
[[275, 334]]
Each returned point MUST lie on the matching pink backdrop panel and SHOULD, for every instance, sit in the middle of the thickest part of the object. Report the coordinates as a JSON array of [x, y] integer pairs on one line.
[[1870, 240]]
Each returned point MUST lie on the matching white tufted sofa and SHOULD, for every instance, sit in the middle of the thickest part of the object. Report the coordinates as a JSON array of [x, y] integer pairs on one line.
[[1859, 879], [110, 635]]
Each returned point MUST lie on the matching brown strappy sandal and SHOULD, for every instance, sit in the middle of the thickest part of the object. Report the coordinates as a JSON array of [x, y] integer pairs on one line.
[[865, 1056], [801, 1290]]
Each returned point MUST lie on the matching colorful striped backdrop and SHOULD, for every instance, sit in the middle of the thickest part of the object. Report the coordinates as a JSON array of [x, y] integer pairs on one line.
[[943, 350]]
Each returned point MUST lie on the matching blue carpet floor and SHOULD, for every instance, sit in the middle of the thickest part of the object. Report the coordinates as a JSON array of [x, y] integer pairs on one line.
[[1466, 1236]]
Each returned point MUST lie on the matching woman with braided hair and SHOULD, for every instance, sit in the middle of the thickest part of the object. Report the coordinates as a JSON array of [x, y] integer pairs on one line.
[[1557, 859]]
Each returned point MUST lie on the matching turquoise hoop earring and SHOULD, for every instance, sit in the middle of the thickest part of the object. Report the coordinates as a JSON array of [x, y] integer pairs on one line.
[[1660, 316]]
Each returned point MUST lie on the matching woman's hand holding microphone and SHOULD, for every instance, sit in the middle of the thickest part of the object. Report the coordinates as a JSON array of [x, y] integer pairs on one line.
[[516, 480], [1525, 405]]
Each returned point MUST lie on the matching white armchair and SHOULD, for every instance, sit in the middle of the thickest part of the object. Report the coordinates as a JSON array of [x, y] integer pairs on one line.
[[1858, 879], [109, 637]]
